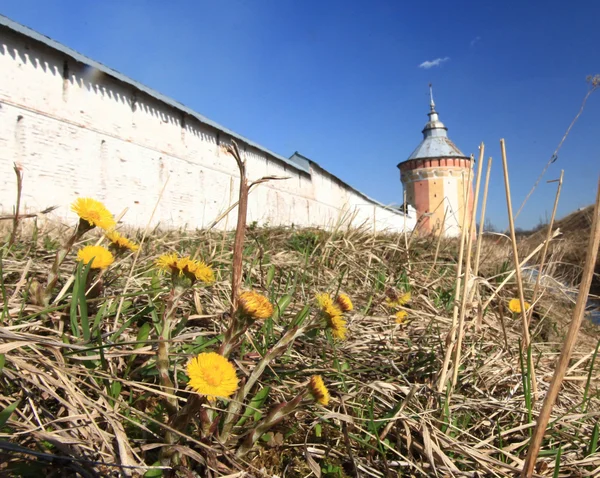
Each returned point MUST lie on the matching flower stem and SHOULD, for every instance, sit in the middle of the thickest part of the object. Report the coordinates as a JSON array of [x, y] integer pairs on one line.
[[162, 365], [233, 335], [277, 413], [61, 254], [236, 404], [162, 354]]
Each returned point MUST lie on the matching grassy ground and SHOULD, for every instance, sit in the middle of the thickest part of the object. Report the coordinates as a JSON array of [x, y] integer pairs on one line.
[[77, 406]]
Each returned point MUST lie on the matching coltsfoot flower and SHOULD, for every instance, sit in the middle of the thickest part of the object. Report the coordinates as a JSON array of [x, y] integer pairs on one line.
[[185, 266], [255, 305], [93, 213], [401, 316], [325, 303], [121, 242], [344, 303], [323, 300], [200, 270], [318, 390], [212, 375], [338, 327], [396, 300], [515, 306], [100, 256], [333, 313]]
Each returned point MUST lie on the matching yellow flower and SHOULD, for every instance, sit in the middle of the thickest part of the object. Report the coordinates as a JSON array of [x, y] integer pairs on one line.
[[102, 257], [212, 375], [324, 301], [344, 303], [201, 271], [194, 270], [255, 305], [94, 213], [168, 262], [338, 327], [405, 299], [398, 300], [318, 390], [401, 316], [515, 306], [121, 242], [332, 311]]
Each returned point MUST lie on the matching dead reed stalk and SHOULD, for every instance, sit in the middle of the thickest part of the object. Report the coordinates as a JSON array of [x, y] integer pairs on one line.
[[451, 337], [536, 288], [240, 231], [482, 217], [513, 238], [465, 292], [568, 344]]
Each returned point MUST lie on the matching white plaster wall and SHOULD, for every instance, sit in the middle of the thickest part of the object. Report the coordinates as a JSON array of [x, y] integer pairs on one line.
[[452, 188], [76, 131]]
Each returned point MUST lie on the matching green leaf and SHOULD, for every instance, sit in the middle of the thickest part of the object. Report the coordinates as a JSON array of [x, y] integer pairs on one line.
[[311, 334], [557, 464], [270, 275], [74, 300], [281, 307], [344, 366], [79, 302], [2, 361], [155, 473], [82, 302], [594, 441], [301, 316], [115, 389], [179, 327], [149, 309], [155, 283], [99, 316], [254, 405], [7, 412], [142, 335]]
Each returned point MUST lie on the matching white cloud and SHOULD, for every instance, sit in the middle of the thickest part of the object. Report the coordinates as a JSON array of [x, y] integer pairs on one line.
[[430, 64], [475, 40]]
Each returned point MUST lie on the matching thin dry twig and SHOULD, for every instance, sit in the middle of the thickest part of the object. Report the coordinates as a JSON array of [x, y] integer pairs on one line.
[[594, 82]]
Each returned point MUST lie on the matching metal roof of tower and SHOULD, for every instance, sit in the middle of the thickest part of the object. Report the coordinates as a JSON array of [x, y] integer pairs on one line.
[[436, 143]]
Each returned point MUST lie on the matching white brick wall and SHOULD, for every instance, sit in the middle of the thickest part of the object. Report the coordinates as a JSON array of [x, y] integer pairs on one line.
[[77, 131]]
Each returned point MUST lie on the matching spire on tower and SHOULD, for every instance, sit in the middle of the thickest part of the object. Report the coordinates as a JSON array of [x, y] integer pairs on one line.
[[436, 143], [431, 103]]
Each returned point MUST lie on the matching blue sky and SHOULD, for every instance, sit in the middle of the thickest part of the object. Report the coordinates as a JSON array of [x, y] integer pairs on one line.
[[340, 82]]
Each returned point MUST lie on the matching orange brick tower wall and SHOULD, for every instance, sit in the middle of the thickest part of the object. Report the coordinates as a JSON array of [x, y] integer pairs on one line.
[[436, 188]]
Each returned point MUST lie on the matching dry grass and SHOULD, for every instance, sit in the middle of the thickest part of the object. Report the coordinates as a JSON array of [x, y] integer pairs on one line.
[[568, 252], [94, 409]]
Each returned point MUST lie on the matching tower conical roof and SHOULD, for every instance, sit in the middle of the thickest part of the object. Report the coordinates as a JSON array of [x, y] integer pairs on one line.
[[436, 143]]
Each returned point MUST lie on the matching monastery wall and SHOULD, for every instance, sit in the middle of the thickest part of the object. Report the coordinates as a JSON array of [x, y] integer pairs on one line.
[[79, 129]]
